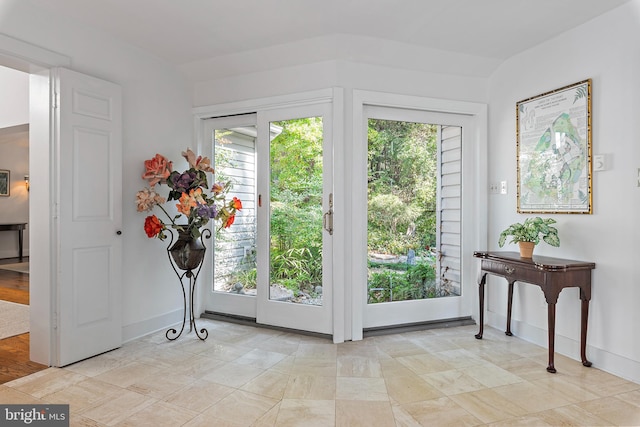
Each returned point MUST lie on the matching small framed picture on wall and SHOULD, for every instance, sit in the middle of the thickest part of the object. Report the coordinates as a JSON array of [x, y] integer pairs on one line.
[[5, 183]]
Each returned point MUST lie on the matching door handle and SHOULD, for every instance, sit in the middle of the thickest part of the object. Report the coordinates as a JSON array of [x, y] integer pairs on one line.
[[118, 232], [327, 218]]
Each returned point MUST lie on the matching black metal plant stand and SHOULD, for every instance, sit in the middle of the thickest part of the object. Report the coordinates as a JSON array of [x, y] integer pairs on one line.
[[186, 257]]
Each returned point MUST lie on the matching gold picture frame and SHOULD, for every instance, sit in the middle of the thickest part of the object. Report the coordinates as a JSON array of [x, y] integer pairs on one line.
[[554, 151]]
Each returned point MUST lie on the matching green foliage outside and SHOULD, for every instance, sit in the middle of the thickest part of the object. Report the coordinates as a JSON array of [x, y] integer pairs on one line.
[[402, 179], [296, 205], [400, 282]]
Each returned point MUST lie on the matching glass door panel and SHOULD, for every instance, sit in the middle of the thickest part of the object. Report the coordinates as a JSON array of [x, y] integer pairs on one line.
[[295, 217], [233, 144], [294, 197], [414, 227]]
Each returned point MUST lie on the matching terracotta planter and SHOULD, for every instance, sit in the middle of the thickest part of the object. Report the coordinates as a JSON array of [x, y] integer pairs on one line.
[[526, 249]]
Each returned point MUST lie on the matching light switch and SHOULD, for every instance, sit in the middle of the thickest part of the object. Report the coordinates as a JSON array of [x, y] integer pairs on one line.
[[599, 163], [503, 187]]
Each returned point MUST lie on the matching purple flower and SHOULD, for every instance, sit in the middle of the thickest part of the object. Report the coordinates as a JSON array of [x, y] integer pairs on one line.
[[207, 211], [183, 182]]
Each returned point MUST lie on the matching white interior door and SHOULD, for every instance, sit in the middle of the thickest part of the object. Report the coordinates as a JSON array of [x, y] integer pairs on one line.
[[88, 147], [415, 202]]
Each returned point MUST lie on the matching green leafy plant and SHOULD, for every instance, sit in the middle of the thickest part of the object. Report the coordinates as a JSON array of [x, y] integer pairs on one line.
[[531, 230]]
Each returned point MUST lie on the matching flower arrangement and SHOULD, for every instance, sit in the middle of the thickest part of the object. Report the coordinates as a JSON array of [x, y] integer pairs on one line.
[[189, 189]]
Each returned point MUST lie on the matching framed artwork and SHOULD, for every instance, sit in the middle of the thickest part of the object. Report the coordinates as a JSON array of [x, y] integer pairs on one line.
[[554, 151], [5, 182]]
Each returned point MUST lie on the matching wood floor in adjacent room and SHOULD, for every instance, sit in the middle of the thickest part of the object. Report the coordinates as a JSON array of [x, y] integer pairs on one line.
[[14, 351]]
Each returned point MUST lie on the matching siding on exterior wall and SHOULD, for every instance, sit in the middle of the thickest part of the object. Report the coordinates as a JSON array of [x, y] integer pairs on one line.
[[235, 247], [450, 193]]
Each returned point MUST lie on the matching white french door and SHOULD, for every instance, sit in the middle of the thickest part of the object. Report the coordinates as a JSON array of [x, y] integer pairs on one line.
[[414, 210], [274, 263]]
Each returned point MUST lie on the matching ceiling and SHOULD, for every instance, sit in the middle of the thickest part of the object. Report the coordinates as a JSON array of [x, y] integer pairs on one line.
[[189, 31]]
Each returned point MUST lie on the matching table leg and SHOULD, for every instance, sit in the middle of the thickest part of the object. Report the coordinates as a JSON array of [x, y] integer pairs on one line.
[[583, 335], [509, 307], [481, 301], [20, 239], [551, 318]]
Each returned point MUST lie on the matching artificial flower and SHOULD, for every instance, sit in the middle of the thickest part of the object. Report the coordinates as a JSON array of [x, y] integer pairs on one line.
[[195, 207], [147, 198], [197, 163], [153, 226], [156, 170]]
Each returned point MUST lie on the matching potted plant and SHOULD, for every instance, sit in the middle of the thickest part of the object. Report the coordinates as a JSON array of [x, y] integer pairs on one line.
[[528, 234]]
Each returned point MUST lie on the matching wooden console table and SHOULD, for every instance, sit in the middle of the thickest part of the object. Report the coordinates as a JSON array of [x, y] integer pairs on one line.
[[19, 227], [552, 275]]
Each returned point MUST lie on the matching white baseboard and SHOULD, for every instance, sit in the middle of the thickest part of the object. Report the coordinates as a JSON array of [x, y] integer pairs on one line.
[[149, 326], [602, 359]]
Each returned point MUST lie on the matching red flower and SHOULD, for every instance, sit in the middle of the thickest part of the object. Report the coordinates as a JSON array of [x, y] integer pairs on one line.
[[153, 226], [229, 221], [236, 203]]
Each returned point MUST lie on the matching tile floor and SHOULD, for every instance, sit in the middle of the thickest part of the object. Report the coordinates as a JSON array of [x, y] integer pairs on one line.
[[246, 376]]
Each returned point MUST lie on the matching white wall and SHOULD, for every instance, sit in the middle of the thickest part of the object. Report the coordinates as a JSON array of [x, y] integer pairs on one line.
[[14, 156], [157, 119], [607, 51], [14, 102]]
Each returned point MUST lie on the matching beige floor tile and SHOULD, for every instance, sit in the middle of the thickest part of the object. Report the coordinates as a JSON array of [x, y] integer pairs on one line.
[[269, 383], [359, 413], [558, 385], [119, 408], [632, 397], [241, 406], [269, 419], [350, 388], [161, 385], [46, 382], [424, 363], [159, 414], [392, 368], [306, 413], [440, 412], [410, 389], [285, 366], [247, 376], [459, 358], [488, 406], [10, 396], [233, 375], [84, 394], [260, 359], [199, 395], [359, 366], [452, 382], [97, 365], [313, 366], [570, 416], [613, 410], [317, 351], [533, 397], [311, 387], [198, 366], [602, 383], [491, 375], [129, 374]]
